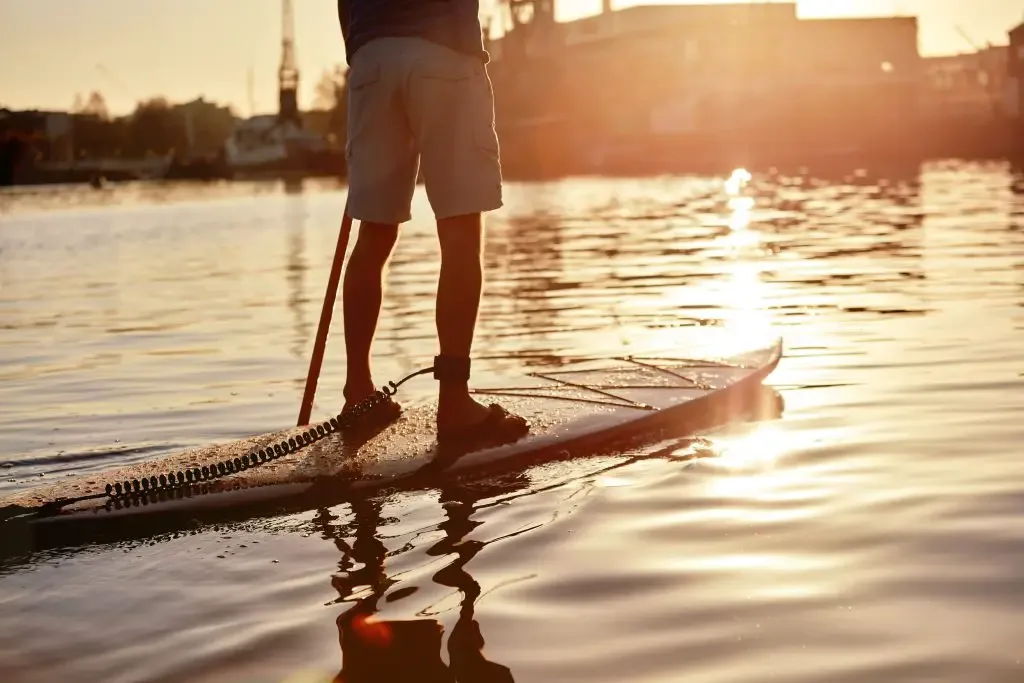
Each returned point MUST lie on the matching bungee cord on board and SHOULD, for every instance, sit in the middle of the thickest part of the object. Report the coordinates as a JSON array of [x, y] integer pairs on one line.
[[181, 479]]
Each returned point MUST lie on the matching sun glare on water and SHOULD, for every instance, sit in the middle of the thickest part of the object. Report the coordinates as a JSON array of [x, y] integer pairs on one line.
[[735, 291], [751, 464], [740, 208], [758, 449], [747, 314], [735, 183]]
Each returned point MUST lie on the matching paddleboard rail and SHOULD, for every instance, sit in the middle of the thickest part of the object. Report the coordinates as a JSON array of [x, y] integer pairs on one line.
[[614, 421]]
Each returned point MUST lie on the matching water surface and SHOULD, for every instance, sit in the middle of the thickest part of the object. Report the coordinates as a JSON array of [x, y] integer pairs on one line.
[[873, 532]]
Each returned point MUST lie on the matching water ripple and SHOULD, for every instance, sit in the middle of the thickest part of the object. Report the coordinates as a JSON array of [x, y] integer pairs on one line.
[[869, 533]]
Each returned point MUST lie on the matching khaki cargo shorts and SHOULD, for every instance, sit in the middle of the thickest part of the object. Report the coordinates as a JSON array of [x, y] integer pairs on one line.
[[411, 103]]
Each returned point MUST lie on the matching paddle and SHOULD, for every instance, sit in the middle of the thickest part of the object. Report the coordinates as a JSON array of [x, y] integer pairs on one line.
[[320, 344]]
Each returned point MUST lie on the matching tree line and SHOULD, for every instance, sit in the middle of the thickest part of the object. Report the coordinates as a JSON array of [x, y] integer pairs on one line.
[[193, 129], [190, 131], [155, 127]]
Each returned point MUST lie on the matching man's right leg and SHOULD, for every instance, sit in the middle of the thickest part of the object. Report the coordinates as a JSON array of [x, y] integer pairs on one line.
[[452, 118], [459, 288], [382, 167]]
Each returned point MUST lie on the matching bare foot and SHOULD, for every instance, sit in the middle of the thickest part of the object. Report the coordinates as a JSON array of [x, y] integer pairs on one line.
[[458, 413], [369, 417], [461, 417], [356, 393]]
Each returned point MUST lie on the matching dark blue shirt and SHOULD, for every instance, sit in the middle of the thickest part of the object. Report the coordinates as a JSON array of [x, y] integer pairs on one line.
[[452, 23]]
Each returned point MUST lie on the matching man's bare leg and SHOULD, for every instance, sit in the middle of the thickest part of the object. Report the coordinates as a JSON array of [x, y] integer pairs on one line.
[[362, 294], [458, 304]]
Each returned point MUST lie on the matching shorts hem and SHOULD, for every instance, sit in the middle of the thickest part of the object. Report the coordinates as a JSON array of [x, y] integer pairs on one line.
[[467, 209], [370, 217]]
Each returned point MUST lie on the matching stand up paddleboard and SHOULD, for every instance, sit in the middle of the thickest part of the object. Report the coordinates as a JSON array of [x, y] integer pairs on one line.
[[589, 407]]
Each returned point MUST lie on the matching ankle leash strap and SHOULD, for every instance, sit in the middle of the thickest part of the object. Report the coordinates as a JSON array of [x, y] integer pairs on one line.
[[451, 369]]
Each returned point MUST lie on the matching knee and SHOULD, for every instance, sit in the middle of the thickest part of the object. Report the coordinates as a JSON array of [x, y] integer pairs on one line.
[[461, 235], [376, 240]]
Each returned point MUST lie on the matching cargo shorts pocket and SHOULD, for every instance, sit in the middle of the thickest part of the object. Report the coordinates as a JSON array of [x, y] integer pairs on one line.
[[465, 82], [361, 78], [485, 136], [451, 70]]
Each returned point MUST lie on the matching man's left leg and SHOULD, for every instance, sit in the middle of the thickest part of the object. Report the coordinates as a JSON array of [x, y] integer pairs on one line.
[[382, 163], [452, 117], [362, 295]]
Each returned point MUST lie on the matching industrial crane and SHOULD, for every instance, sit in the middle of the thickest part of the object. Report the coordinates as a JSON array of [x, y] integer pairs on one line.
[[288, 75]]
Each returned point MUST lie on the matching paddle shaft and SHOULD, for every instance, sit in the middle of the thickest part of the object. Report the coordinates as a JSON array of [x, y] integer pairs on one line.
[[317, 359]]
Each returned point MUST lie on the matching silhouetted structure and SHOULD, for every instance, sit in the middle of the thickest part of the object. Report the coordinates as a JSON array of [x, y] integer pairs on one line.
[[643, 89], [157, 140], [30, 137], [280, 144], [1015, 72], [288, 75], [682, 87], [970, 87]]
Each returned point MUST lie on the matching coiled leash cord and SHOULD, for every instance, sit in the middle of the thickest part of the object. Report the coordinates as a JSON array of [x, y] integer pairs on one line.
[[170, 481]]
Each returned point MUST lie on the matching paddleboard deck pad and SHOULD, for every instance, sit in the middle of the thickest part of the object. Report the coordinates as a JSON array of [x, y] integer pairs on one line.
[[586, 407]]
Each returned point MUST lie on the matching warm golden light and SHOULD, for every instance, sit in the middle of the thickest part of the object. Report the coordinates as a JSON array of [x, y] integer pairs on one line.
[[737, 181], [749, 464], [740, 208], [747, 315], [757, 449], [372, 632], [119, 36]]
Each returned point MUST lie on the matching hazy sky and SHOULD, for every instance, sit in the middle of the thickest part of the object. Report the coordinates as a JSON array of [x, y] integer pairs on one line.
[[133, 49]]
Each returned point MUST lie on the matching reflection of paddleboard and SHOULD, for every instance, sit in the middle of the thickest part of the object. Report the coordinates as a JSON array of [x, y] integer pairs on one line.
[[592, 406]]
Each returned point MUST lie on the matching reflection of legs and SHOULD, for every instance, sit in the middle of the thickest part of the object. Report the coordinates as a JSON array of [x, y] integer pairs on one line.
[[380, 650], [363, 292], [365, 549], [465, 645]]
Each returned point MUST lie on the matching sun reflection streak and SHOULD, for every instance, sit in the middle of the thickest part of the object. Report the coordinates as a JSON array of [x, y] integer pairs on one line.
[[759, 448], [740, 210], [765, 464], [748, 317], [739, 220], [737, 181], [750, 464], [735, 291]]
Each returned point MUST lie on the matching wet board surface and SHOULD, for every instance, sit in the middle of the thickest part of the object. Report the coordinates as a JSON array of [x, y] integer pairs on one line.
[[587, 406]]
